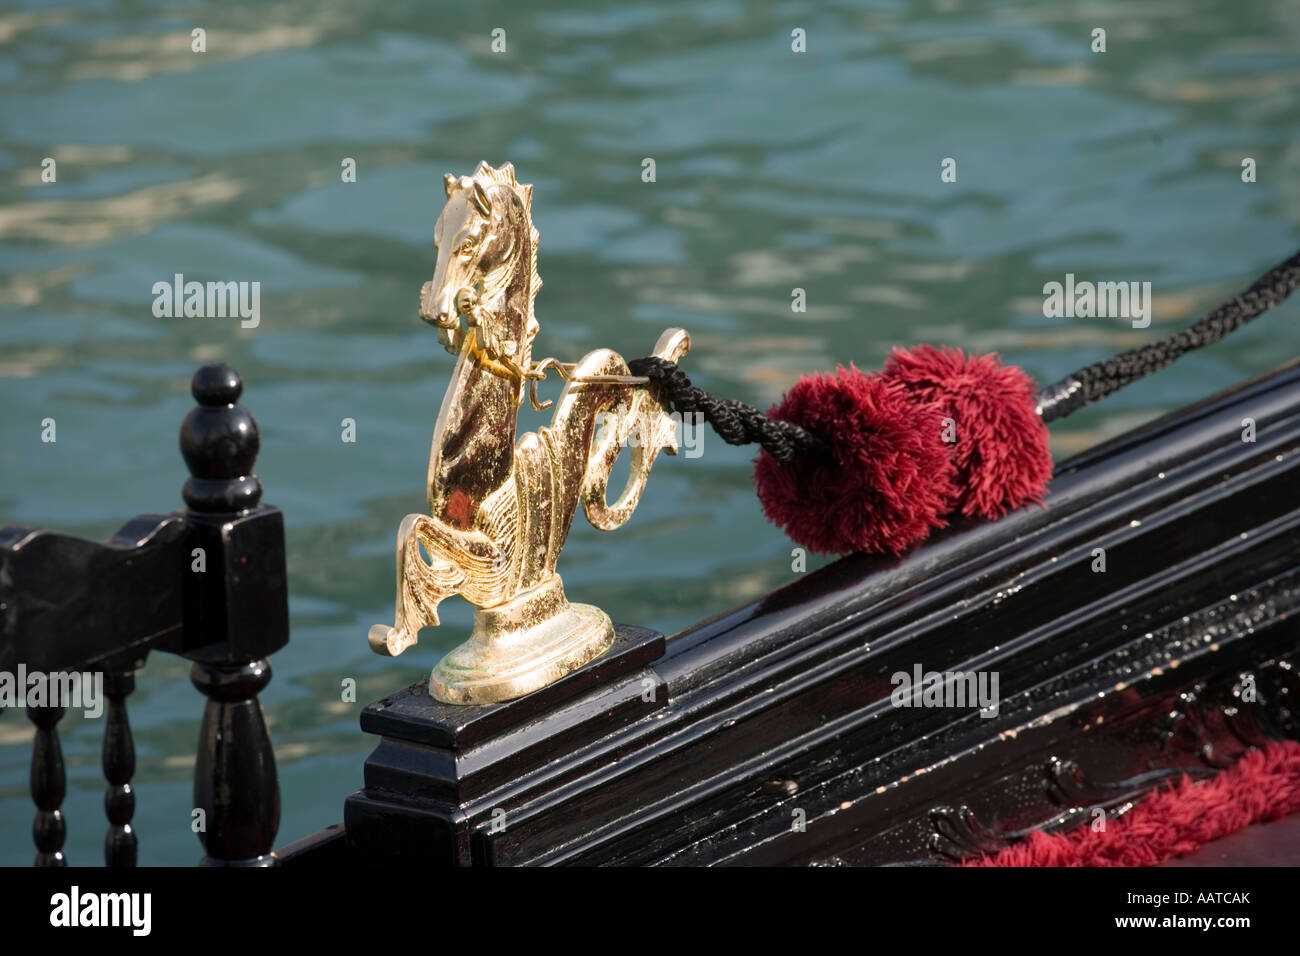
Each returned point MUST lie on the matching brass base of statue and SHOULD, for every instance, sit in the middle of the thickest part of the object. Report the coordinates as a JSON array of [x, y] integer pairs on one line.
[[521, 646]]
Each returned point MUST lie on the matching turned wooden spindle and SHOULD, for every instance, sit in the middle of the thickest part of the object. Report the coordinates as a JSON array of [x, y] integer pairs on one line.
[[235, 784], [120, 843], [235, 779], [49, 786]]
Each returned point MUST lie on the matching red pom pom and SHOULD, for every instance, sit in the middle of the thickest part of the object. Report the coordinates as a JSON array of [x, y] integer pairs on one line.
[[1001, 449], [891, 479]]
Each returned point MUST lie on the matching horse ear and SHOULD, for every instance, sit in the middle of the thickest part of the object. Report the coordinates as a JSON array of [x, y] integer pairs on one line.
[[480, 199], [450, 182]]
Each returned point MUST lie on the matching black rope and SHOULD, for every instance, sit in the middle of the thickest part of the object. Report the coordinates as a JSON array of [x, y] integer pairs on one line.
[[735, 422], [1104, 378], [741, 424]]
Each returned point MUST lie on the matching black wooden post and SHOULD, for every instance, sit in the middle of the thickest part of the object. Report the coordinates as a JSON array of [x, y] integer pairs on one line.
[[120, 843], [208, 584], [49, 785], [236, 614]]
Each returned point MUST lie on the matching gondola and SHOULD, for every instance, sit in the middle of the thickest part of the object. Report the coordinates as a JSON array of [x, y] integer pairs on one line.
[[769, 736], [1051, 672]]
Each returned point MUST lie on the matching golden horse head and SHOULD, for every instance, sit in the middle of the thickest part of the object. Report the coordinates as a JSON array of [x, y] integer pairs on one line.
[[486, 269]]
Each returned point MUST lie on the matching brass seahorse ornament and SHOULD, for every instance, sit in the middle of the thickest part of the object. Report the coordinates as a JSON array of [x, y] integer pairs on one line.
[[500, 508]]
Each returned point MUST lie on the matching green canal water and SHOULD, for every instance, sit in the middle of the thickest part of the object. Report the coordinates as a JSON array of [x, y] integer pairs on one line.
[[774, 170]]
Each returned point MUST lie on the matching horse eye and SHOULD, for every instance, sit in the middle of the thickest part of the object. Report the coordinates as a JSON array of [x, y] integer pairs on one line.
[[466, 247]]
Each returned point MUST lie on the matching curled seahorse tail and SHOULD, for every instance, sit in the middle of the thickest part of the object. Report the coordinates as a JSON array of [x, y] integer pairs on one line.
[[635, 412]]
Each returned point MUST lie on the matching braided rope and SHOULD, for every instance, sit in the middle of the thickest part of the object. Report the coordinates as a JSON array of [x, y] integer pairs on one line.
[[1108, 376], [740, 424], [735, 422]]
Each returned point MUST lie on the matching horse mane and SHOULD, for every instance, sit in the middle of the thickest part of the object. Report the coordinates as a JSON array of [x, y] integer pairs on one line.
[[505, 176]]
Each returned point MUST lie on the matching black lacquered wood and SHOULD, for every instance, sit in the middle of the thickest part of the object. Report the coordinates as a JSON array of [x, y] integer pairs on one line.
[[229, 631], [768, 735], [219, 441], [120, 843], [49, 786], [102, 599], [208, 583], [235, 782]]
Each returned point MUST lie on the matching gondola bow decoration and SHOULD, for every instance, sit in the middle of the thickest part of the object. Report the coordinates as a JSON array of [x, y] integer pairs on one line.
[[854, 461], [500, 508]]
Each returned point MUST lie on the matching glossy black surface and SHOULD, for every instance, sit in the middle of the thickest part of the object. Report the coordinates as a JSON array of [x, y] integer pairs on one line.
[[207, 583], [414, 715], [708, 748], [219, 441], [49, 787], [235, 779], [120, 843], [779, 712]]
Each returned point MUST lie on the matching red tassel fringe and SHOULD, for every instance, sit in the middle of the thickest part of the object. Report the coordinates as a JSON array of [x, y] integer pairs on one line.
[[891, 478], [1000, 446], [1263, 785], [936, 434]]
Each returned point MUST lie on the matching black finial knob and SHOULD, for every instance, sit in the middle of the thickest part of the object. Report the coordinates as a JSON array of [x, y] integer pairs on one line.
[[219, 441], [216, 385]]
